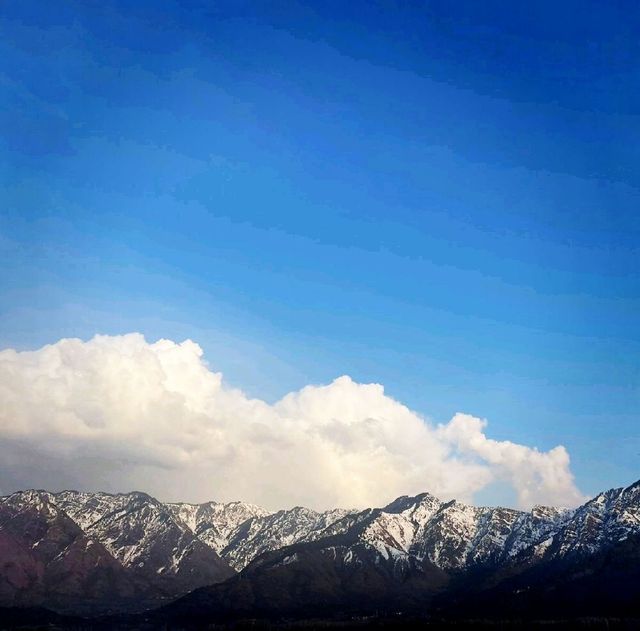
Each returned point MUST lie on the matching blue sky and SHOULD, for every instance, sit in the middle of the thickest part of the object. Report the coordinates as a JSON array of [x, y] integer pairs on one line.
[[440, 197]]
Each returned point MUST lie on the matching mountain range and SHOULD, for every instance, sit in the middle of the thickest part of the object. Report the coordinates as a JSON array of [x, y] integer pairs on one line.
[[94, 554]]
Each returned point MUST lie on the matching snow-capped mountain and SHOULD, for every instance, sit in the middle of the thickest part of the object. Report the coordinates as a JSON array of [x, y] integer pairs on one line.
[[147, 538], [612, 516], [420, 554], [239, 532], [453, 535], [111, 551], [265, 533], [414, 531], [47, 559], [74, 551], [215, 522]]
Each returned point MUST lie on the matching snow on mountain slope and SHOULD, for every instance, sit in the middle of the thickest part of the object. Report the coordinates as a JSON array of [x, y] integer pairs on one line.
[[47, 560], [146, 537], [450, 535], [239, 531], [419, 552], [609, 517], [132, 551], [534, 528], [456, 536], [269, 532], [215, 522]]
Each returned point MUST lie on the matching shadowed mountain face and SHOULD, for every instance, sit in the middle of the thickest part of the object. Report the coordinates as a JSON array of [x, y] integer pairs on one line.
[[83, 552], [46, 559], [95, 552]]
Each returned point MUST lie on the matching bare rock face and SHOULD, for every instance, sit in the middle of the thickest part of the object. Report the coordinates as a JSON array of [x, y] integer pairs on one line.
[[46, 559]]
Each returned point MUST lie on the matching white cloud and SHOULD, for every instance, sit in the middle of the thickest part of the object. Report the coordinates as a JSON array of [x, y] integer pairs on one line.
[[118, 413]]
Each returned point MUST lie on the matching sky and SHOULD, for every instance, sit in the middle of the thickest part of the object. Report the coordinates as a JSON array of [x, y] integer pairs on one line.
[[438, 198]]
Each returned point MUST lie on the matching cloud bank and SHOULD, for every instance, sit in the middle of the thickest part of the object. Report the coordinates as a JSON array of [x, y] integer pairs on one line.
[[119, 413]]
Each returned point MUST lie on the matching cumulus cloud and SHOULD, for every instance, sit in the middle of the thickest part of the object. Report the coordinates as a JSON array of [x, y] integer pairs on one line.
[[118, 413]]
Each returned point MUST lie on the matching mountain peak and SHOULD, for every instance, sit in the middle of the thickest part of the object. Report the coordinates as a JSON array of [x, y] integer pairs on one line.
[[405, 502]]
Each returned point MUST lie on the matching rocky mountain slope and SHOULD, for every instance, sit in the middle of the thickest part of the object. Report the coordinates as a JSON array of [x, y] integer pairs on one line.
[[239, 532], [47, 559], [216, 522], [94, 552], [144, 535], [420, 554], [272, 532], [74, 551]]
